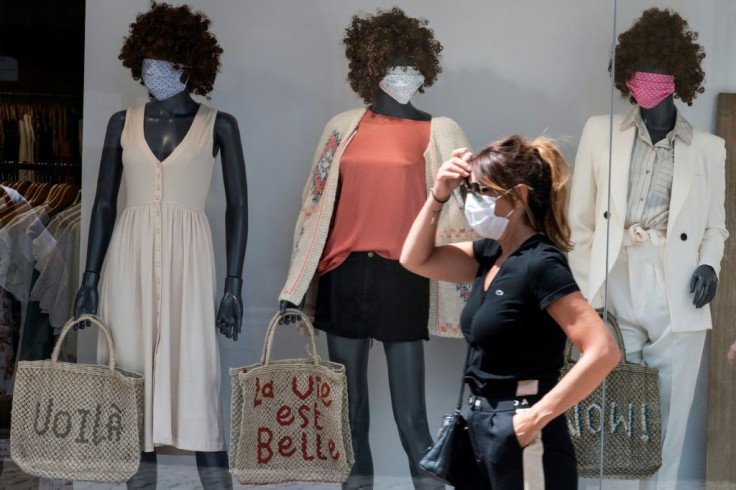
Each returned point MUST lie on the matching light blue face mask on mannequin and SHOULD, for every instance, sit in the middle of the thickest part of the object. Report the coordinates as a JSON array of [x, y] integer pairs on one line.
[[161, 78], [401, 83], [480, 211]]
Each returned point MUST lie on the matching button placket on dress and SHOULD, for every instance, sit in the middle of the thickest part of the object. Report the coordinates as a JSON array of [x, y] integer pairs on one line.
[[157, 254]]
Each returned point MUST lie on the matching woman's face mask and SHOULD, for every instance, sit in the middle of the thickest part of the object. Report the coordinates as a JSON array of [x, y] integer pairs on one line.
[[480, 211], [401, 83], [161, 78]]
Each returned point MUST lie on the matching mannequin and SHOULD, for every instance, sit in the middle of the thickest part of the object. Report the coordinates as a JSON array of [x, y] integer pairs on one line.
[[348, 139], [166, 124], [667, 217]]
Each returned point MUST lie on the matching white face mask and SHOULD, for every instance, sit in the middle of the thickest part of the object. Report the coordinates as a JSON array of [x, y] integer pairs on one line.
[[401, 83], [161, 78], [481, 214]]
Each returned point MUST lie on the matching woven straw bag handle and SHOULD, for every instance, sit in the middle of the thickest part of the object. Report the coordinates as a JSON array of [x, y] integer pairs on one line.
[[91, 319], [266, 353], [613, 323]]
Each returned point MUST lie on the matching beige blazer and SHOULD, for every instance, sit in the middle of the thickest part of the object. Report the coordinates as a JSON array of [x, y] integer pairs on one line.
[[696, 230]]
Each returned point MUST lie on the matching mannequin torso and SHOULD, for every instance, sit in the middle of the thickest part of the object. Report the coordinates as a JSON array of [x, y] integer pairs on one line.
[[387, 106], [660, 119], [166, 124]]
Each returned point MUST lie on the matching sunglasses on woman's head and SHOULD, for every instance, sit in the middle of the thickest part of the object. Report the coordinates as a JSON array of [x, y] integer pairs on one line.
[[466, 187]]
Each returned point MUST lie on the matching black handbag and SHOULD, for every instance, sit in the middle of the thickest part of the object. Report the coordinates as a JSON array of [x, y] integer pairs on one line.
[[449, 457]]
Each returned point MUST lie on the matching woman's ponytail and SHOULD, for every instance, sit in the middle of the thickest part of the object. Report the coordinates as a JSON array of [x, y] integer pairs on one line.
[[555, 224]]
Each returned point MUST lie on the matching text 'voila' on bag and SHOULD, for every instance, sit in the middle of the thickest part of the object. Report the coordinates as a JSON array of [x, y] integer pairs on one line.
[[77, 421], [629, 420], [290, 418]]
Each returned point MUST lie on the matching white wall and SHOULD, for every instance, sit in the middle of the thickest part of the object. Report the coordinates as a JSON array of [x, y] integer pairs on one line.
[[525, 66]]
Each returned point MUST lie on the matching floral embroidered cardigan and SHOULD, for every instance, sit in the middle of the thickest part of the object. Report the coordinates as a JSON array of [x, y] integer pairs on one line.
[[318, 200]]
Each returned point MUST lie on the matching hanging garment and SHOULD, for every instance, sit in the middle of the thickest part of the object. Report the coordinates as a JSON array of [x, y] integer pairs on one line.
[[157, 289], [57, 283]]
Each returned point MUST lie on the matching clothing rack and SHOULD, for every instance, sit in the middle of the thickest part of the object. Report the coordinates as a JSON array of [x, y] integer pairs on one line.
[[43, 172], [49, 95], [47, 166]]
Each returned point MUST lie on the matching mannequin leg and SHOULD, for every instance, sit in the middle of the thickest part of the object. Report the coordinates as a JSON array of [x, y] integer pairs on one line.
[[639, 301], [406, 382], [353, 353], [146, 476], [213, 470]]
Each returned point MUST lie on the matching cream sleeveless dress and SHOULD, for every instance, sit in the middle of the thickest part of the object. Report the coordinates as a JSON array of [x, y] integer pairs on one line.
[[157, 292]]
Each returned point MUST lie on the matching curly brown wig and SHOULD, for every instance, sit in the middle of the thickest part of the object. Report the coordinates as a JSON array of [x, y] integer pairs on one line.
[[662, 39], [174, 34], [373, 42]]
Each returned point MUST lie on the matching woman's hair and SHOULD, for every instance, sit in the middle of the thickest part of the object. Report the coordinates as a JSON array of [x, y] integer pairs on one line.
[[174, 34], [373, 42], [661, 39], [540, 166]]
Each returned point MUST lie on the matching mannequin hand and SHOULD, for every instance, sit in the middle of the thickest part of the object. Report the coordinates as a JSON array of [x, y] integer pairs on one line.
[[524, 427], [452, 173], [87, 298], [230, 313], [703, 283], [283, 306]]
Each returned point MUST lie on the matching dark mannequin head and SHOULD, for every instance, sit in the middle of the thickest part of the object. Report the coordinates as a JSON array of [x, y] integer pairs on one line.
[[174, 34], [661, 41], [375, 43]]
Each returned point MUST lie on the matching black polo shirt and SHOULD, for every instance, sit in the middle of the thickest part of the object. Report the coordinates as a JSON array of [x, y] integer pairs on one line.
[[511, 335]]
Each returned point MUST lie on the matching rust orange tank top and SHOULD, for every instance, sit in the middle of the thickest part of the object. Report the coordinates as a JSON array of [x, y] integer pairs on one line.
[[382, 188]]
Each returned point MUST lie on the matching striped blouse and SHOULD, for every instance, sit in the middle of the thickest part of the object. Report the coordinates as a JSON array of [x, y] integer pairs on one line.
[[651, 171]]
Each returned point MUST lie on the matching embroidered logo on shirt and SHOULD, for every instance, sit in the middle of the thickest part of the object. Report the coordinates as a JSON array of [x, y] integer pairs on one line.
[[499, 292]]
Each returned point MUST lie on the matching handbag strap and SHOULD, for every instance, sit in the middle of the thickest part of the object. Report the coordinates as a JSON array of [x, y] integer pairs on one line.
[[268, 343], [462, 380], [615, 330], [86, 318]]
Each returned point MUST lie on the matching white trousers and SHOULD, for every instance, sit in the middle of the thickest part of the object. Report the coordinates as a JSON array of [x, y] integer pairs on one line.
[[638, 299]]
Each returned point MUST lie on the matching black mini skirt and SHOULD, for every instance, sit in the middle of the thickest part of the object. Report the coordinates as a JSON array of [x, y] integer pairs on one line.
[[369, 296]]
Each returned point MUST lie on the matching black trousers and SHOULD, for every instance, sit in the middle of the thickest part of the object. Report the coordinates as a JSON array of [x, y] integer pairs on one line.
[[548, 462]]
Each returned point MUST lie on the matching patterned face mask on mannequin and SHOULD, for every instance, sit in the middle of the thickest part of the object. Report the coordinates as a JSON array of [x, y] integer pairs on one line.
[[649, 89], [401, 83], [161, 78], [480, 211]]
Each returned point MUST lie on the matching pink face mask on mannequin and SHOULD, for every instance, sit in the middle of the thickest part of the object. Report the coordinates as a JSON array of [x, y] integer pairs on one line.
[[649, 89]]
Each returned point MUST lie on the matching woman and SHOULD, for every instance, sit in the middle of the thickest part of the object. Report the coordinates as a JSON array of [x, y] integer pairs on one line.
[[523, 305]]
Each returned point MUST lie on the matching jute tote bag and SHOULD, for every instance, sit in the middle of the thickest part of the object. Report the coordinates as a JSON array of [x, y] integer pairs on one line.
[[630, 420], [77, 421], [290, 418]]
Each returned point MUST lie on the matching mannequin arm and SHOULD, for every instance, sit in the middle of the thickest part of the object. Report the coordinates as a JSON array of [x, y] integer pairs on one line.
[[227, 139], [582, 209], [704, 280], [715, 234], [103, 216]]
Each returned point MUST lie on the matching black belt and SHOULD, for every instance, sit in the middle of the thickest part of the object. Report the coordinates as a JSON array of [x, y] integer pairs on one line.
[[483, 404]]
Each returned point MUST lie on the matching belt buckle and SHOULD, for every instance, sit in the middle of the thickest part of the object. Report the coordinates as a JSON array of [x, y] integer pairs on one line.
[[474, 401]]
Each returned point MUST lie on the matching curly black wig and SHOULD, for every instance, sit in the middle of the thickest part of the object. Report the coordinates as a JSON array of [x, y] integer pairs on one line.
[[373, 42], [662, 39], [174, 34]]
